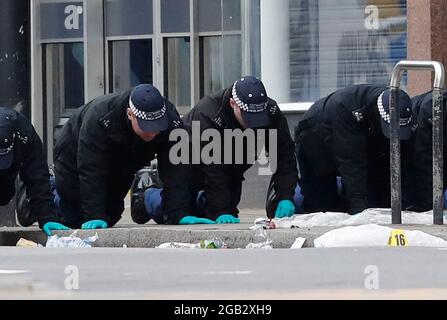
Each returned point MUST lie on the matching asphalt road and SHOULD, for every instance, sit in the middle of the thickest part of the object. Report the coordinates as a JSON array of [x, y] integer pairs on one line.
[[223, 274]]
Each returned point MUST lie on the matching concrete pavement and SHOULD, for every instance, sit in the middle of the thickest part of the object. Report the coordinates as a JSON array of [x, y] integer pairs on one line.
[[366, 273], [150, 235]]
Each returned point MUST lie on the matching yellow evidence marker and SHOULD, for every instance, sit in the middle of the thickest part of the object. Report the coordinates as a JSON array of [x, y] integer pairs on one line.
[[397, 238]]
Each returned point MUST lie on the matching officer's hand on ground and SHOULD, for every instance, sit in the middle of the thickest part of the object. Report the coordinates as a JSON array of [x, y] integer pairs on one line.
[[47, 227], [285, 208], [195, 220], [94, 224], [227, 218]]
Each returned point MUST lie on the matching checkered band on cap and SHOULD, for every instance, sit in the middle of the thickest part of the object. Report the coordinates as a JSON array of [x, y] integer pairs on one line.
[[7, 150], [386, 117], [146, 115], [253, 108]]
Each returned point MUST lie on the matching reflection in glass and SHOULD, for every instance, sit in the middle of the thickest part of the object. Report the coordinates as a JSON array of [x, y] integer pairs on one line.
[[220, 62], [232, 58], [128, 17], [254, 34], [328, 52], [177, 71], [130, 63], [175, 16], [210, 65], [63, 86], [209, 15], [231, 14], [63, 77], [218, 15]]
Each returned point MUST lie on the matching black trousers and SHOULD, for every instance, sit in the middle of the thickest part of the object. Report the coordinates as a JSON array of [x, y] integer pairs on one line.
[[321, 193], [199, 201]]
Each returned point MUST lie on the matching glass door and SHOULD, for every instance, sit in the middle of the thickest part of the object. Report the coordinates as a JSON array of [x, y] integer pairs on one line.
[[177, 70], [130, 63], [129, 31]]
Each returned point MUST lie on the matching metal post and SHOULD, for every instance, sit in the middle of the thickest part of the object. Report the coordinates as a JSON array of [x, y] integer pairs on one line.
[[395, 169], [438, 199], [438, 86]]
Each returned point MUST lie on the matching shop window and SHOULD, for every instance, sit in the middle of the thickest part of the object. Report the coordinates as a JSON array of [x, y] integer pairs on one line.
[[333, 44]]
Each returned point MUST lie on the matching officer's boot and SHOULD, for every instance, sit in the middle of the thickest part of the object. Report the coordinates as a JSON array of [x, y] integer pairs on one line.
[[144, 179]]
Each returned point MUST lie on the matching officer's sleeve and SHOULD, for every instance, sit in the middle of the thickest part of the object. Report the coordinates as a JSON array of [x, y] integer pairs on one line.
[[93, 167], [176, 191], [34, 174], [351, 158], [217, 190], [286, 176], [217, 182]]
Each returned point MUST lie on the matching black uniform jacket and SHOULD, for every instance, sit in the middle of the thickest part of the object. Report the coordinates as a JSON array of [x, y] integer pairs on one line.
[[31, 164], [98, 153], [214, 111], [340, 135], [422, 151]]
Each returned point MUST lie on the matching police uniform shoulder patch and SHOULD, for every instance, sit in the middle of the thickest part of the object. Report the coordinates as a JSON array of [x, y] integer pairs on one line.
[[414, 127], [105, 121], [273, 109], [177, 123], [22, 138], [358, 115], [218, 121]]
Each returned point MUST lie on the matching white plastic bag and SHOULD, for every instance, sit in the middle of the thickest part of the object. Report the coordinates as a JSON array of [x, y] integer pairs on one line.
[[70, 242], [262, 240]]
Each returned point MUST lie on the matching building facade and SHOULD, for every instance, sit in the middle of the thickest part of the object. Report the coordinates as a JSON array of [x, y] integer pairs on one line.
[[58, 54]]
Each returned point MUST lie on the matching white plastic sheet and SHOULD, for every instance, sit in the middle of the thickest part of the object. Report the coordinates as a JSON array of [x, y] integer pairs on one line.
[[372, 235], [369, 216]]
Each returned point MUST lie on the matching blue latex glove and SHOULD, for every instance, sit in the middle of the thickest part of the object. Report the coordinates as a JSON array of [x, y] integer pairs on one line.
[[227, 218], [94, 224], [47, 227], [195, 220], [285, 208]]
